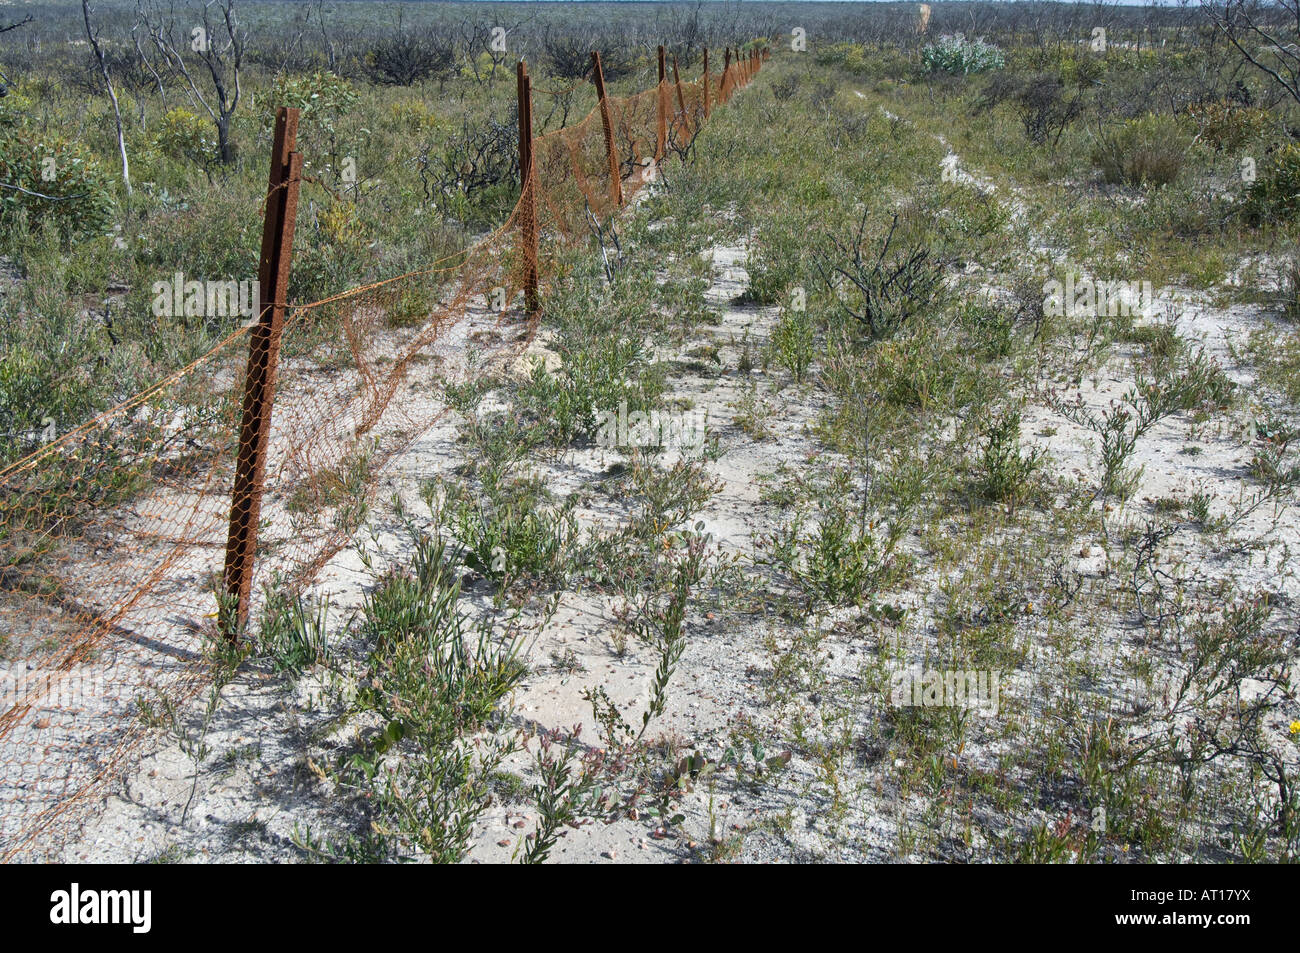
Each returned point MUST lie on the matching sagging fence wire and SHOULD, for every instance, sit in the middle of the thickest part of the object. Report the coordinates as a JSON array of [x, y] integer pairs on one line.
[[112, 537]]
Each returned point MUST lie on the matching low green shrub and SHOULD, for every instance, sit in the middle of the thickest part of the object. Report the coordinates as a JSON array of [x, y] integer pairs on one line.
[[1149, 150], [1274, 196], [1004, 469], [1229, 126], [49, 178], [956, 55]]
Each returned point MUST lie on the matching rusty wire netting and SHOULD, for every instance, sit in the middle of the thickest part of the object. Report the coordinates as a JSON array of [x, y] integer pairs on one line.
[[112, 538]]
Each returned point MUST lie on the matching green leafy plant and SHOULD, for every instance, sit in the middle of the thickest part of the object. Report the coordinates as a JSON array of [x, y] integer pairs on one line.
[[1004, 469], [46, 177], [293, 632], [1149, 150], [1274, 196], [791, 344], [956, 55]]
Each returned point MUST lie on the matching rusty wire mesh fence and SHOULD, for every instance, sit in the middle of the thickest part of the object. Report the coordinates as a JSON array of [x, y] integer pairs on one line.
[[112, 538]]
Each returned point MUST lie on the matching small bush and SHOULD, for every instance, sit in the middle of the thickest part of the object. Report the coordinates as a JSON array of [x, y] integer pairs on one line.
[[415, 116], [1004, 470], [515, 538], [293, 632], [324, 100], [882, 291], [785, 88], [791, 345], [413, 306], [404, 59], [1149, 150], [569, 57], [884, 63], [431, 671], [1229, 126], [777, 259], [431, 679], [52, 179], [1081, 70], [1288, 296], [850, 56], [991, 329], [958, 56], [597, 375], [475, 179], [848, 550], [1275, 195], [183, 135], [1044, 104]]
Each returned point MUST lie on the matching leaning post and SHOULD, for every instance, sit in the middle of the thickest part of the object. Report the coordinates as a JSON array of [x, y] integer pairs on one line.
[[260, 376]]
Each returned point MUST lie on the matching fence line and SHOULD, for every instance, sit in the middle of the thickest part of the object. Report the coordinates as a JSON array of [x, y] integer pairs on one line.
[[116, 538]]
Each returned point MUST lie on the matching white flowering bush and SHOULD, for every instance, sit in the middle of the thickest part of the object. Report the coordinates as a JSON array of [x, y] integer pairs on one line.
[[957, 55]]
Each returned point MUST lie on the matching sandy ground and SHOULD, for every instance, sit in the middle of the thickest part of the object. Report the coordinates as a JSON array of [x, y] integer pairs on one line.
[[242, 799]]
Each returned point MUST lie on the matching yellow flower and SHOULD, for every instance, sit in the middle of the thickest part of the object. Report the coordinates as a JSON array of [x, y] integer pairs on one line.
[[1295, 728]]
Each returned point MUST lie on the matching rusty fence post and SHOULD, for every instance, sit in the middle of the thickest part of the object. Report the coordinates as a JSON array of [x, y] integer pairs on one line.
[[661, 126], [706, 82], [607, 121], [681, 99], [527, 189], [726, 75], [259, 380]]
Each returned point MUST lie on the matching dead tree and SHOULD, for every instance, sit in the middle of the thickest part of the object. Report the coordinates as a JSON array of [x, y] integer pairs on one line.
[[215, 43], [92, 35], [1267, 37], [5, 28]]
